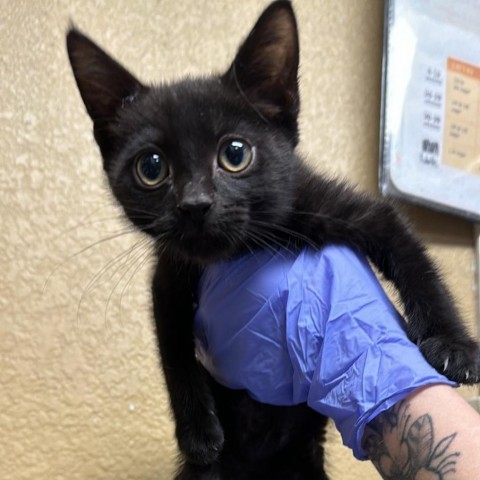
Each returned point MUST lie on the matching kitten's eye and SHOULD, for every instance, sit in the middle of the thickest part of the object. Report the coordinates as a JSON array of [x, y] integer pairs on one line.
[[235, 155], [151, 169]]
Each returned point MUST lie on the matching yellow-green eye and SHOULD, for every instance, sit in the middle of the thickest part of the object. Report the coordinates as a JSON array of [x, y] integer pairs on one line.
[[151, 169], [235, 155]]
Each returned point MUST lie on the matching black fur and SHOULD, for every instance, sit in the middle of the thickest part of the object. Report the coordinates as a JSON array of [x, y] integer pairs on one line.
[[201, 213]]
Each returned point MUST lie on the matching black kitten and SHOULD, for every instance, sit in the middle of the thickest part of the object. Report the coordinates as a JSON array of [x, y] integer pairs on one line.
[[208, 168]]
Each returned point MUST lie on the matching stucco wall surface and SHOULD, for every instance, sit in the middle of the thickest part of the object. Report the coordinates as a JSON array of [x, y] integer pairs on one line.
[[81, 393]]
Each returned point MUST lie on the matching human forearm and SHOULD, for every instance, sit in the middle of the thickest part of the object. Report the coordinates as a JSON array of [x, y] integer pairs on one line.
[[433, 434]]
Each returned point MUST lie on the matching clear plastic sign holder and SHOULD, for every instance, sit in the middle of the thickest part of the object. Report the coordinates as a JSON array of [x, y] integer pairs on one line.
[[431, 104], [430, 138]]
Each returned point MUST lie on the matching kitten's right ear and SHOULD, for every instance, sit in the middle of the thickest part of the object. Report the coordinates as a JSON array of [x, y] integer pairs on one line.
[[103, 83], [266, 66]]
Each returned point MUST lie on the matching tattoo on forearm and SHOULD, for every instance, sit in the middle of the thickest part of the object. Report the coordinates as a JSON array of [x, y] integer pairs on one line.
[[406, 449]]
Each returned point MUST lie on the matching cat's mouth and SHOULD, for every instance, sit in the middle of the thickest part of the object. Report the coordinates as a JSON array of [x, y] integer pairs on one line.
[[217, 235], [207, 242]]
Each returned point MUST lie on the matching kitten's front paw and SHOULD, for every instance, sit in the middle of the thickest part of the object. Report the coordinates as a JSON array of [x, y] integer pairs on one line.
[[202, 440], [457, 359]]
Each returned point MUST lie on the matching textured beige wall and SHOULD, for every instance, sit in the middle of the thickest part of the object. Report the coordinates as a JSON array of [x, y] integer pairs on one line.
[[81, 395]]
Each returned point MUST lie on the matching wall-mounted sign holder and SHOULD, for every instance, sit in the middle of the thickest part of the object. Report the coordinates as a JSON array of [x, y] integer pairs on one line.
[[430, 139], [431, 104]]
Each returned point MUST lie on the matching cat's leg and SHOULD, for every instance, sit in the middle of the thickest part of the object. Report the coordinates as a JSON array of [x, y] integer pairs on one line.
[[268, 442], [434, 322], [198, 431], [328, 211]]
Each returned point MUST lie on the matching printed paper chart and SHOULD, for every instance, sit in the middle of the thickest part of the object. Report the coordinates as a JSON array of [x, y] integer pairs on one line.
[[461, 138]]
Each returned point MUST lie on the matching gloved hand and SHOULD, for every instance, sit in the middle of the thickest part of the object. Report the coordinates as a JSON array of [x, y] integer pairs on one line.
[[313, 326]]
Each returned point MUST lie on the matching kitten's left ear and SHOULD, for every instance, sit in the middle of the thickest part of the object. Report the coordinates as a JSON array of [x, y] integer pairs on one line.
[[265, 69]]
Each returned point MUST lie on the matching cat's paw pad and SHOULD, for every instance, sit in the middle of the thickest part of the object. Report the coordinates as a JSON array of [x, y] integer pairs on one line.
[[202, 440], [457, 359]]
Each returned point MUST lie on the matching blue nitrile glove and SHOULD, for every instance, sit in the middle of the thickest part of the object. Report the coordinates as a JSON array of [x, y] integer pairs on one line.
[[315, 327]]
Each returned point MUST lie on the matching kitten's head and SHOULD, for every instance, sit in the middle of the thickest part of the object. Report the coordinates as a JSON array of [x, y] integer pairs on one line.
[[206, 166]]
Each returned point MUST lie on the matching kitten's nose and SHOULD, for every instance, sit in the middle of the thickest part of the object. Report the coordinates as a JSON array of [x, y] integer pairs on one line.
[[195, 207]]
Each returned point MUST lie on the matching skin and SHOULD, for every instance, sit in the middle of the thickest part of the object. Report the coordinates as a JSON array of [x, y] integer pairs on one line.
[[434, 434]]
